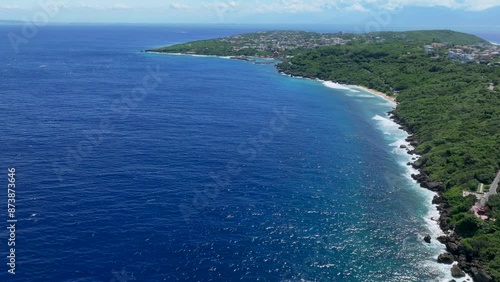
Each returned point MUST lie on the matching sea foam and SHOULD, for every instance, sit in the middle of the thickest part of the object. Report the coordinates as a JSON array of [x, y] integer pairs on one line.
[[334, 85], [398, 137]]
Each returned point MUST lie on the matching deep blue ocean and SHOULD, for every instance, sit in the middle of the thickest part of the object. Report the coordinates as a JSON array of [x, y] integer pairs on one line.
[[133, 166]]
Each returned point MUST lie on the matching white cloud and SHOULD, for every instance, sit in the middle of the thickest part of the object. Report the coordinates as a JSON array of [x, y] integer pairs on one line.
[[9, 7], [117, 6], [288, 6], [88, 6], [297, 6], [120, 7], [302, 6], [223, 5], [366, 5], [179, 6], [470, 5], [479, 5], [236, 8], [224, 9], [356, 7]]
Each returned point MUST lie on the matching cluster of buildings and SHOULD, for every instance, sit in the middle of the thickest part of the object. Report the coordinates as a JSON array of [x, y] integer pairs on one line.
[[480, 208], [282, 41], [277, 42], [464, 53]]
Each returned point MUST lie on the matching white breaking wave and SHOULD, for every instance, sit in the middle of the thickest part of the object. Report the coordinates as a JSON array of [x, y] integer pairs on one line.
[[398, 138], [390, 127], [334, 85], [201, 56], [360, 95], [193, 55]]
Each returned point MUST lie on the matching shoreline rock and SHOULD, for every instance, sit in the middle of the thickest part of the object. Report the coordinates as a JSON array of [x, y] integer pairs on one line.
[[456, 272], [446, 258], [468, 262]]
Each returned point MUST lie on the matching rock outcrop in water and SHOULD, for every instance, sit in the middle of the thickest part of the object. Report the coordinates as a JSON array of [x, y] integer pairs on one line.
[[446, 258], [457, 272]]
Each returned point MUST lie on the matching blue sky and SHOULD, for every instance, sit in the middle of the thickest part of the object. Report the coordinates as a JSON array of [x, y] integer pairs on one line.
[[255, 11]]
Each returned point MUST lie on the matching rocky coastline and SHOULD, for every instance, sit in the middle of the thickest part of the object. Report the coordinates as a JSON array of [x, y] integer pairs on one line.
[[467, 261]]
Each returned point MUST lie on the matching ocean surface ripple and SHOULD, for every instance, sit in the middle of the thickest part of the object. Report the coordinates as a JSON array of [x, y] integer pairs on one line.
[[224, 171]]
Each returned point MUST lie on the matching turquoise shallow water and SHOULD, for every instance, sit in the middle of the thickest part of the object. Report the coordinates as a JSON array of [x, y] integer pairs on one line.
[[223, 171]]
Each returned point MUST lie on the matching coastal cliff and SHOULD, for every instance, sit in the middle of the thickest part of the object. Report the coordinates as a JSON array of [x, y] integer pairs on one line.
[[467, 260]]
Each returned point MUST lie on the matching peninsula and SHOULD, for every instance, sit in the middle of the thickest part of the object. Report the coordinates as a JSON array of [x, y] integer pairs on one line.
[[447, 86]]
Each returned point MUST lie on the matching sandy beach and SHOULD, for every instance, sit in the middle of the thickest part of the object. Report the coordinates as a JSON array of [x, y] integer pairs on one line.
[[335, 85], [378, 93]]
